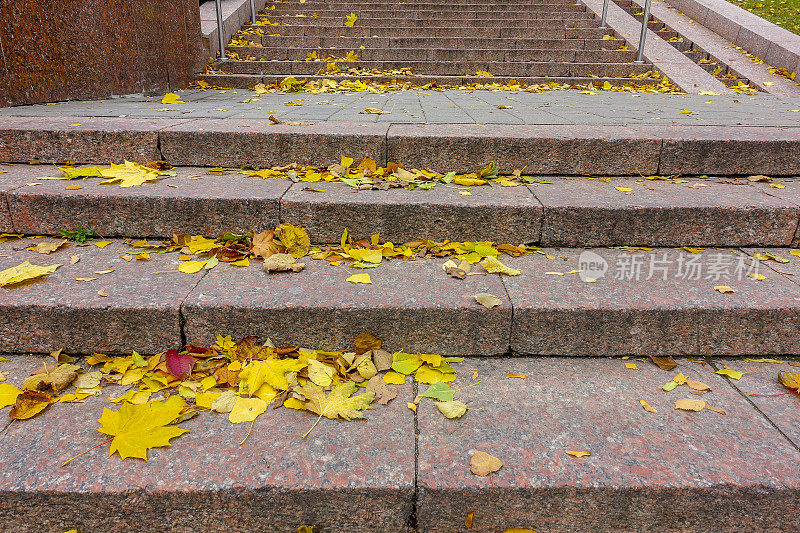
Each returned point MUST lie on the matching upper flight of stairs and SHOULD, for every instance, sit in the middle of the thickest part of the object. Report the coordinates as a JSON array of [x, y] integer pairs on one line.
[[535, 42]]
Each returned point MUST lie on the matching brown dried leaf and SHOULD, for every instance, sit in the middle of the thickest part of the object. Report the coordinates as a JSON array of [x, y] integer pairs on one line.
[[53, 382], [483, 464], [689, 404], [365, 342], [29, 404], [382, 359], [383, 392], [664, 363], [698, 386], [282, 263]]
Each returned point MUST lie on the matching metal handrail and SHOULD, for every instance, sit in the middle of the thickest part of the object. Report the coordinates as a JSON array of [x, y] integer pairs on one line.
[[642, 36], [220, 35]]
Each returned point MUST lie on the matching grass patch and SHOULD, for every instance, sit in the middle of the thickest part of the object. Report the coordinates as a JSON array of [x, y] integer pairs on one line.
[[784, 13]]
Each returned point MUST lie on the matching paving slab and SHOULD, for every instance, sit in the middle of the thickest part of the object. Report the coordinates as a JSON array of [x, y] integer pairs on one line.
[[235, 142], [660, 302], [9, 182], [761, 387], [195, 201], [140, 311], [411, 305], [542, 149], [57, 139], [666, 471], [591, 212], [344, 477], [507, 214]]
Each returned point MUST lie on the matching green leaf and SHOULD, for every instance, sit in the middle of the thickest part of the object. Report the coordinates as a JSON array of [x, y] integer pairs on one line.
[[439, 391]]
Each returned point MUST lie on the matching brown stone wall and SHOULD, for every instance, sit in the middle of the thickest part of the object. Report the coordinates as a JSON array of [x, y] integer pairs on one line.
[[71, 49]]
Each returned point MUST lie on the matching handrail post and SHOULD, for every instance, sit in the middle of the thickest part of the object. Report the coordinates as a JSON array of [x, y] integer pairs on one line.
[[643, 36], [603, 24], [219, 30], [253, 12]]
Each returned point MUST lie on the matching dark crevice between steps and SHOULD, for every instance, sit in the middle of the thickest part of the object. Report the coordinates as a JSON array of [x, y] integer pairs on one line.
[[539, 234], [158, 146], [794, 445], [8, 210], [181, 317], [412, 525]]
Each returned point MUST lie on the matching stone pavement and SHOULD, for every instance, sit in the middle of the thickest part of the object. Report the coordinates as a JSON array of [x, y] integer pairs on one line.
[[561, 107], [398, 471]]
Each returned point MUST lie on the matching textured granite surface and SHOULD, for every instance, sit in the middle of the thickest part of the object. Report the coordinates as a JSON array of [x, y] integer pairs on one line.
[[259, 143], [590, 212], [500, 214], [666, 471], [79, 139], [544, 149], [671, 313], [116, 47], [195, 201], [344, 477], [141, 311], [413, 306]]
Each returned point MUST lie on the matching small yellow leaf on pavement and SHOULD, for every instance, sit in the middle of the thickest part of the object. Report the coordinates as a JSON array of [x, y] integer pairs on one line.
[[8, 394], [647, 407], [172, 98], [452, 409], [247, 410], [724, 289], [488, 300], [623, 189], [191, 267], [632, 366], [350, 20], [578, 454], [360, 278], [520, 376], [23, 272]]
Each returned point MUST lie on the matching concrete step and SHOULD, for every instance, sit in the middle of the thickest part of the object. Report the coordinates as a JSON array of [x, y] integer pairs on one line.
[[532, 7], [541, 149], [461, 43], [742, 474], [439, 54], [452, 68], [660, 302], [436, 31], [562, 212], [339, 15]]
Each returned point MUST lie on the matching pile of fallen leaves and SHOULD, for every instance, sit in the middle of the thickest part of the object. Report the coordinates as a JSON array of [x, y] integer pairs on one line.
[[328, 85], [240, 379]]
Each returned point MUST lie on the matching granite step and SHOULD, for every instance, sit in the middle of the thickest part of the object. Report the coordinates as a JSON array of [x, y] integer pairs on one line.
[[623, 150], [411, 20], [656, 301], [726, 473], [514, 69], [461, 43], [438, 54], [248, 81], [560, 32], [340, 14], [557, 211], [533, 7]]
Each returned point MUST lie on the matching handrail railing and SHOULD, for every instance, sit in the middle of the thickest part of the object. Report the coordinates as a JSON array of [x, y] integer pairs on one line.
[[642, 36], [220, 34]]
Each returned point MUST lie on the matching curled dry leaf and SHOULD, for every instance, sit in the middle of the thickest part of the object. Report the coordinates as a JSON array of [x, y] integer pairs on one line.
[[53, 382], [282, 263], [790, 380], [698, 386], [724, 289], [382, 359], [452, 409], [646, 406], [578, 454], [664, 363], [47, 247], [759, 178], [689, 404], [29, 404], [374, 111], [383, 392], [483, 464], [487, 300]]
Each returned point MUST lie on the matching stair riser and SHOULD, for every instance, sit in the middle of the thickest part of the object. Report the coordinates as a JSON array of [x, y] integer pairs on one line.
[[557, 214], [421, 6], [461, 43], [421, 54], [400, 22], [453, 68], [247, 81], [464, 15], [483, 32]]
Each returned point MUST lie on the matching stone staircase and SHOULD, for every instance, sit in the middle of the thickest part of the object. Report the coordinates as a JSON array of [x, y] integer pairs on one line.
[[424, 42]]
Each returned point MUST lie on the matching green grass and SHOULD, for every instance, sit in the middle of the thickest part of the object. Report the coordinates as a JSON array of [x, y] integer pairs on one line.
[[784, 13]]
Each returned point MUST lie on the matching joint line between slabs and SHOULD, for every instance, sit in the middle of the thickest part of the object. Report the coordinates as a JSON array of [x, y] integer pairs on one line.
[[415, 498], [181, 316], [755, 407]]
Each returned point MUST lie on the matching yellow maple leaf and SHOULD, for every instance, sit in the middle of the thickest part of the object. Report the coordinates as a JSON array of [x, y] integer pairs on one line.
[[366, 255], [294, 239], [128, 174], [350, 20], [247, 410], [172, 98], [340, 403], [269, 371], [137, 428], [23, 272]]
